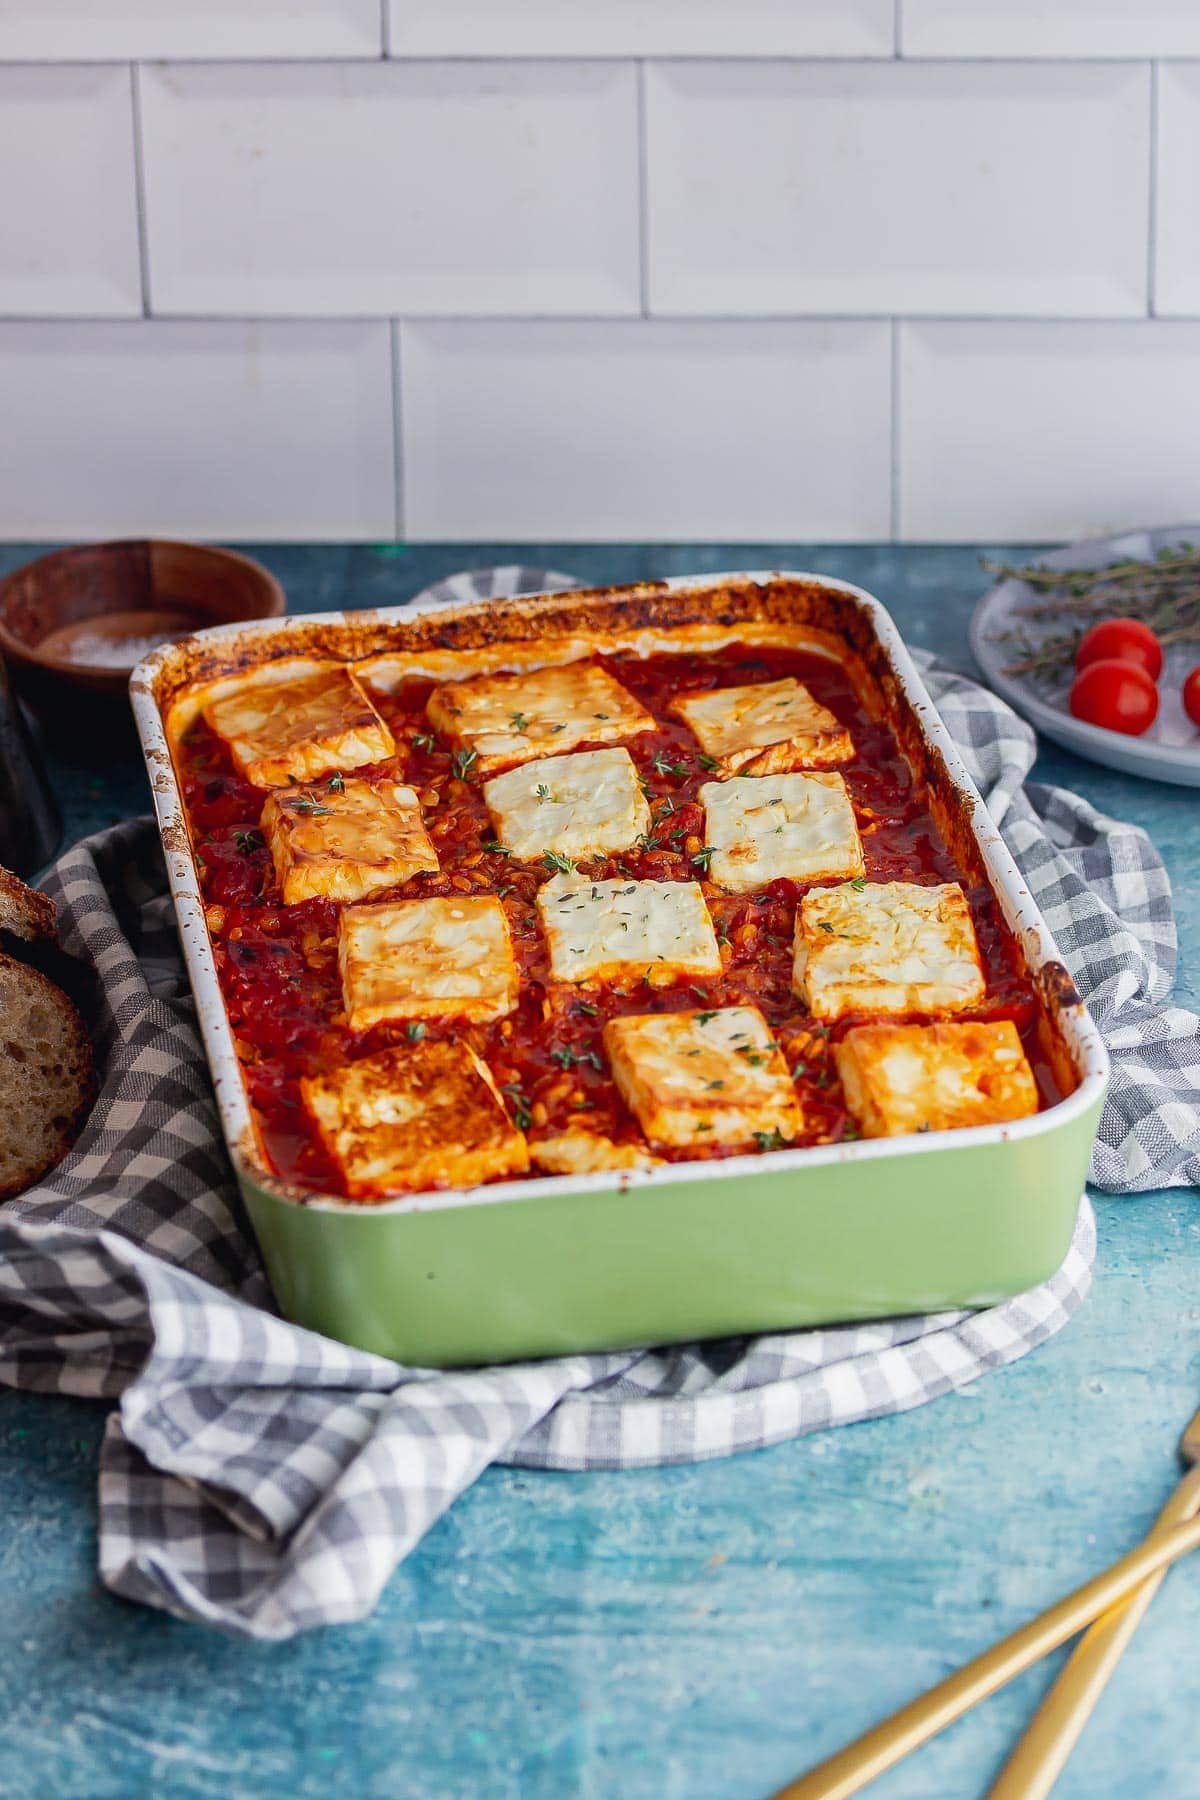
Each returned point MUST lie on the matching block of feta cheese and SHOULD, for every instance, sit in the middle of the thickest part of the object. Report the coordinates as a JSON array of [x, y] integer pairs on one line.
[[426, 959], [624, 930], [760, 827], [580, 1152], [581, 805], [902, 1078], [886, 946], [704, 1077], [416, 1116], [502, 720], [342, 838], [296, 730], [765, 728]]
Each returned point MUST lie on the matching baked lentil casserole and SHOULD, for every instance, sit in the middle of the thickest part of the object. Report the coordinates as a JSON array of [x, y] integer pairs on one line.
[[613, 883]]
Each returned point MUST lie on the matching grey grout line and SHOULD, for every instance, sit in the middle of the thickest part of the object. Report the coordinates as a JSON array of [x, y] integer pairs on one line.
[[385, 29], [1152, 227], [364, 59], [894, 518], [1138, 320], [643, 195], [398, 462], [139, 185], [898, 28], [303, 533]]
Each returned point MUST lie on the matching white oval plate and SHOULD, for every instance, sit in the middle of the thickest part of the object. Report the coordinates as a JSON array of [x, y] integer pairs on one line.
[[1170, 750]]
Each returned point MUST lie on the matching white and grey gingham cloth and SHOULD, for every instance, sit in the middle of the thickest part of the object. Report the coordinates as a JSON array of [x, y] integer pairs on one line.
[[258, 1477]]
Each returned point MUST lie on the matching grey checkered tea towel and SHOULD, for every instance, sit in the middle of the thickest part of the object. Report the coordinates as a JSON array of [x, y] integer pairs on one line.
[[258, 1477]]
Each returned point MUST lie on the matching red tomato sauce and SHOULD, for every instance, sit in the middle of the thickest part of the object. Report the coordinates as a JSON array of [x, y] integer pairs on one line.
[[278, 965]]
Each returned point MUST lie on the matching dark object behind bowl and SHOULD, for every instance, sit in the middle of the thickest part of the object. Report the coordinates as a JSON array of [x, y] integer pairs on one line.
[[30, 822], [136, 585]]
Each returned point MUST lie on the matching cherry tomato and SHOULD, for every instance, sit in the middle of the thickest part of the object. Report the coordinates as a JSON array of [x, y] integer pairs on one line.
[[1126, 640], [1120, 696], [1191, 696]]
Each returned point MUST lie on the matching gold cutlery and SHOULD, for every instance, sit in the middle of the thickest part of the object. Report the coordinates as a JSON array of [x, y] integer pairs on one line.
[[1053, 1732], [885, 1744]]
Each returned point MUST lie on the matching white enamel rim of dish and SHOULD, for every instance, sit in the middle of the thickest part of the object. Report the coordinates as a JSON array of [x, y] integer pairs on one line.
[[1017, 905]]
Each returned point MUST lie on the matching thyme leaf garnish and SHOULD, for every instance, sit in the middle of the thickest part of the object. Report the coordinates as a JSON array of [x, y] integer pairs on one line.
[[1164, 593]]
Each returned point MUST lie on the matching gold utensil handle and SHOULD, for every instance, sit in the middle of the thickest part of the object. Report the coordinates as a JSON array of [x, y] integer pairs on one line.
[[850, 1769], [1037, 1762]]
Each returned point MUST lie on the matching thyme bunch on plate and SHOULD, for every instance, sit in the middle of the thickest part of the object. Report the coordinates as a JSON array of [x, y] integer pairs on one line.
[[1164, 593]]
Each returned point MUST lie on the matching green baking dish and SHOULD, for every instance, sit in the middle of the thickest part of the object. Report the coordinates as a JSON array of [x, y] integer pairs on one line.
[[556, 1264]]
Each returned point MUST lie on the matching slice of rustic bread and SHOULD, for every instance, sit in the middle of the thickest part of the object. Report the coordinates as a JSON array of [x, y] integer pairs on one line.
[[25, 914], [29, 933], [47, 1075]]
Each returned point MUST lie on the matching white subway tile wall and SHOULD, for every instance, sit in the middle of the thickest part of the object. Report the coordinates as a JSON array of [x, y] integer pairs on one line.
[[385, 187], [898, 187], [1124, 28], [646, 428], [775, 269], [93, 31], [1177, 270], [641, 28], [68, 211], [1055, 430], [260, 429]]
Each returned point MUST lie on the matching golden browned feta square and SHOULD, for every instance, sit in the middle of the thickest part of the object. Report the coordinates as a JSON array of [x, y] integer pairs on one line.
[[693, 1079], [760, 827], [296, 730], [580, 1152], [902, 1078], [426, 959], [886, 946], [626, 930], [504, 720], [578, 806], [765, 728], [417, 1116], [343, 838]]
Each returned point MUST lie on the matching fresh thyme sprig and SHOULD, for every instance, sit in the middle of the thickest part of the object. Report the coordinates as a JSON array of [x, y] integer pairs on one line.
[[1163, 592]]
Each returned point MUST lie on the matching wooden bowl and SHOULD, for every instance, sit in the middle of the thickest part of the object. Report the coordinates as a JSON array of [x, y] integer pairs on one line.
[[75, 623]]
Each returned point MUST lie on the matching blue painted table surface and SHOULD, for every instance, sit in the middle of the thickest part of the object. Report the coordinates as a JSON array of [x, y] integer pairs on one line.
[[704, 1631]]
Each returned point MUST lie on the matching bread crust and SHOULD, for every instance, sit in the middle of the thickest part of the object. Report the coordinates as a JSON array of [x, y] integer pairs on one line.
[[24, 912], [63, 1077]]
